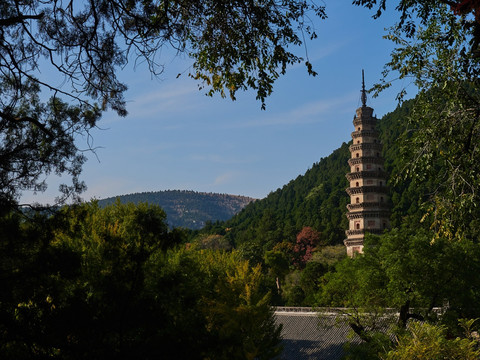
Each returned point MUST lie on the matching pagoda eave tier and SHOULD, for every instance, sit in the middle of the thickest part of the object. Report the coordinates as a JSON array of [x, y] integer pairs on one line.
[[366, 146], [374, 174], [366, 189], [368, 205], [364, 121], [363, 232], [353, 242], [366, 160], [368, 214], [370, 133]]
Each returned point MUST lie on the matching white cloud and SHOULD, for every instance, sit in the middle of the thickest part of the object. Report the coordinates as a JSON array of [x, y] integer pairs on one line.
[[219, 159], [225, 178], [167, 93], [322, 52], [167, 98], [313, 112], [329, 49]]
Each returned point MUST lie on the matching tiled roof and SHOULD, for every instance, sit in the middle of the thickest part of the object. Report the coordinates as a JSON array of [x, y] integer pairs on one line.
[[308, 336], [321, 334]]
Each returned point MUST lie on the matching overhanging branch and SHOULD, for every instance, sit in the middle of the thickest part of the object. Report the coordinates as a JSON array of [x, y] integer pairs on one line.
[[19, 19], [29, 119]]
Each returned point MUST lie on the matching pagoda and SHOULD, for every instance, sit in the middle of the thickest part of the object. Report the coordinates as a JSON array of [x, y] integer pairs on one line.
[[368, 210]]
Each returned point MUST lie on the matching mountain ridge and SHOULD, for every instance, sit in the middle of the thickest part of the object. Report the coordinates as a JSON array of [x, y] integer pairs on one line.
[[187, 208]]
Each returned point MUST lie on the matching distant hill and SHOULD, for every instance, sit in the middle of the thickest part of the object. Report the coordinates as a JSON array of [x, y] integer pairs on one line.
[[318, 198], [188, 209]]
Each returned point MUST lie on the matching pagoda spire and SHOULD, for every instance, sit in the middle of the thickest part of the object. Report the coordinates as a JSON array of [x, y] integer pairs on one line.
[[364, 92]]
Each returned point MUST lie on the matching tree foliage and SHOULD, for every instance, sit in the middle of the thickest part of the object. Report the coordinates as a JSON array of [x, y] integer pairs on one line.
[[416, 12], [109, 283], [278, 264], [307, 240], [426, 341], [214, 242], [428, 259]]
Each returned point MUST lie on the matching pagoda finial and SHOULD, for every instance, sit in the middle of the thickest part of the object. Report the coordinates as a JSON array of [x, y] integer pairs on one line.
[[364, 93]]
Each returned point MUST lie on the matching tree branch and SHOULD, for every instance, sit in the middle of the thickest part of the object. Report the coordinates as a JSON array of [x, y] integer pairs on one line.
[[29, 119], [19, 19]]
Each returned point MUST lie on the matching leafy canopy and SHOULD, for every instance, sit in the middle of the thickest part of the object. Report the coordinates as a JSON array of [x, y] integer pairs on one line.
[[109, 283]]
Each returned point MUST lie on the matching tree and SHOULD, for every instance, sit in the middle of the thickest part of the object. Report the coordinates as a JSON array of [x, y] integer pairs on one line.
[[310, 280], [425, 10], [437, 46], [425, 341], [278, 263], [307, 241], [214, 242], [238, 312], [99, 308], [235, 45]]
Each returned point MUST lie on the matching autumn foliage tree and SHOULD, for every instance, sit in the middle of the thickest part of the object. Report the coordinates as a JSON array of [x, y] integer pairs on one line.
[[307, 240]]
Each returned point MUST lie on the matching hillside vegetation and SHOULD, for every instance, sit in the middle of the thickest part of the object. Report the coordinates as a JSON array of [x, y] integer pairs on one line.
[[318, 199], [187, 209]]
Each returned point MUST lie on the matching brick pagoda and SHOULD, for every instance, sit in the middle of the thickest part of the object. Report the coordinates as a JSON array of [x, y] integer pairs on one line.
[[368, 210]]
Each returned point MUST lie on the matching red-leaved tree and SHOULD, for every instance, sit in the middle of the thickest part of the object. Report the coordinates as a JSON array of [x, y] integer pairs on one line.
[[307, 240]]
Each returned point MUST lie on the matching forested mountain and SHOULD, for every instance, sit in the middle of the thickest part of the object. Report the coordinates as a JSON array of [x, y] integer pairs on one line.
[[188, 209], [318, 198]]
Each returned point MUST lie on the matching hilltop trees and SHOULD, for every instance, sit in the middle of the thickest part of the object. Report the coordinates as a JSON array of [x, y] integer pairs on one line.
[[235, 45]]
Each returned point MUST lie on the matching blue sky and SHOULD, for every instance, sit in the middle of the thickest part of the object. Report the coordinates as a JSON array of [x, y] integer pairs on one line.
[[175, 137]]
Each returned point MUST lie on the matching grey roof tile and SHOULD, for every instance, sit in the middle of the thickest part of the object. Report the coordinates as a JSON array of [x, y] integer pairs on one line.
[[307, 337]]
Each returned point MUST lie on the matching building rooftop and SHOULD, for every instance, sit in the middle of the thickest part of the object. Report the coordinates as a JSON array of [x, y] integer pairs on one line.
[[310, 335]]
